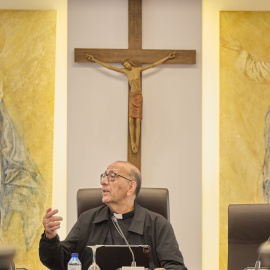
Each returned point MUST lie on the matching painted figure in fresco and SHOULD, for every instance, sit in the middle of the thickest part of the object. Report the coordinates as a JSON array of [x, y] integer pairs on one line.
[[259, 72], [22, 188], [133, 74]]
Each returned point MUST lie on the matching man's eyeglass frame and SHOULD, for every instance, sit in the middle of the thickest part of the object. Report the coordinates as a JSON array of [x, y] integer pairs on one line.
[[109, 176]]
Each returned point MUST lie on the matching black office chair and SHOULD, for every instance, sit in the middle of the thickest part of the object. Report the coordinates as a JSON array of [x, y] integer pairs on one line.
[[7, 254], [154, 199], [248, 228]]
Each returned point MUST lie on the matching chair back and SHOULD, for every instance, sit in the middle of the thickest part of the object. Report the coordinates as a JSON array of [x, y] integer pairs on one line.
[[248, 228], [7, 254], [154, 199]]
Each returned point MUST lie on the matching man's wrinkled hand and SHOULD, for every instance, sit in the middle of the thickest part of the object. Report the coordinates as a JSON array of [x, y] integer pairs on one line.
[[51, 223]]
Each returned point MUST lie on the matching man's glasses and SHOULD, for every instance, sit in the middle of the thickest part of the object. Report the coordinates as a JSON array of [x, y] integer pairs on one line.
[[111, 176]]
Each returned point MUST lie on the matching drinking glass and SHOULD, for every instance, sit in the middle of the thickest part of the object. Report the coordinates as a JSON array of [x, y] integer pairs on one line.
[[94, 265]]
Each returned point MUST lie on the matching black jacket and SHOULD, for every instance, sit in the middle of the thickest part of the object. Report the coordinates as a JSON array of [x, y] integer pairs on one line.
[[147, 228]]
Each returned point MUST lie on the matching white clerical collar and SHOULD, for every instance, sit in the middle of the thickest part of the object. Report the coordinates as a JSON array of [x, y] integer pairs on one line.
[[123, 216], [118, 216]]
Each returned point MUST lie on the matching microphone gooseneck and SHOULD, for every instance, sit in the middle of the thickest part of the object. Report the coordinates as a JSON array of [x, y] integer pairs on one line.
[[115, 222]]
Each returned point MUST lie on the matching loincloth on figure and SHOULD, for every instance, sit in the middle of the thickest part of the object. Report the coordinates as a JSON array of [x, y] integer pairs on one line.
[[135, 103]]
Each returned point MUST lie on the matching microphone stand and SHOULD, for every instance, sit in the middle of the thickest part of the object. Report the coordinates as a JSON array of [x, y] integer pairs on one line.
[[133, 263], [13, 266]]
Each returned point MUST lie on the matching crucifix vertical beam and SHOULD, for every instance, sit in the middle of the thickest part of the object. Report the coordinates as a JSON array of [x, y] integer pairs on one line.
[[134, 42], [135, 24]]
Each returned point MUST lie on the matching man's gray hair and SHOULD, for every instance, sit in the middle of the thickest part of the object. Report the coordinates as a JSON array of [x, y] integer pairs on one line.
[[135, 175]]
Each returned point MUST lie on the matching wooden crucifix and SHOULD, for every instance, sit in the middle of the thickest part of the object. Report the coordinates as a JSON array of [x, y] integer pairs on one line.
[[141, 56]]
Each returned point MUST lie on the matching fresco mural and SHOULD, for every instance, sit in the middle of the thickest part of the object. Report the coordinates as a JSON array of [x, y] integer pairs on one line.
[[27, 75], [244, 113]]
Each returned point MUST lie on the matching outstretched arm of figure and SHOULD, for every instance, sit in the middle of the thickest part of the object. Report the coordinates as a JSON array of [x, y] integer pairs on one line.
[[234, 45], [170, 56], [258, 71], [92, 59]]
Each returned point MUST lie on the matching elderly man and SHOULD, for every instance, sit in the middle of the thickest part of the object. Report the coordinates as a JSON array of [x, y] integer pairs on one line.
[[121, 184]]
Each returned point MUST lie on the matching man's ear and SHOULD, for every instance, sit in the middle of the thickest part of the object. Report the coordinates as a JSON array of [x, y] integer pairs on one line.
[[132, 188]]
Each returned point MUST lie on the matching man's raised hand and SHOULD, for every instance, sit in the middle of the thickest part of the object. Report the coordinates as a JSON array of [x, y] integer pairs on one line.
[[51, 223]]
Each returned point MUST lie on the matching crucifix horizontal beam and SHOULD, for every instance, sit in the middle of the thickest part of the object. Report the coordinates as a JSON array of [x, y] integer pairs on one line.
[[144, 56]]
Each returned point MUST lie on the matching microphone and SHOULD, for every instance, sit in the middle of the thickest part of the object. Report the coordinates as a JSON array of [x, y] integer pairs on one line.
[[115, 222], [258, 262], [133, 263]]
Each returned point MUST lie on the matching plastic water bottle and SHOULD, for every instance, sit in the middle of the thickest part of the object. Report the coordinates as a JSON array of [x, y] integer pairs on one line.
[[74, 263]]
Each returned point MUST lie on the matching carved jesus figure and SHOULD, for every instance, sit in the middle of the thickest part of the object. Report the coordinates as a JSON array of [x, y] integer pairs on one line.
[[133, 74]]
